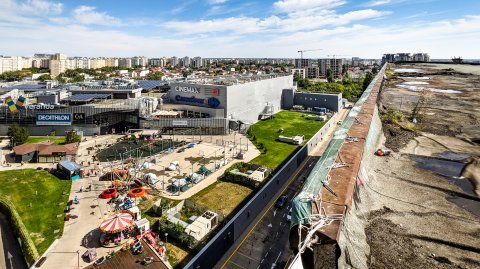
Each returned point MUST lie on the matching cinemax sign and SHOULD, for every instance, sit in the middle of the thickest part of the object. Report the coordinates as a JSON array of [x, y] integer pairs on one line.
[[54, 119], [187, 89]]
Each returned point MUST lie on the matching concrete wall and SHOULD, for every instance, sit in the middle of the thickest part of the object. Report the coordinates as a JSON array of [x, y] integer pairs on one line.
[[287, 98], [247, 101], [332, 102], [352, 239], [225, 238], [318, 137]]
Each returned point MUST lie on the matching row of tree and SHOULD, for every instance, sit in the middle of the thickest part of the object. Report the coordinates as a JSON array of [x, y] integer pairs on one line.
[[21, 74], [350, 89]]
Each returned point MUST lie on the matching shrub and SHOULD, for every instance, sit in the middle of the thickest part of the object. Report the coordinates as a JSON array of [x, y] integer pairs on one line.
[[393, 116], [410, 127], [28, 247], [176, 233]]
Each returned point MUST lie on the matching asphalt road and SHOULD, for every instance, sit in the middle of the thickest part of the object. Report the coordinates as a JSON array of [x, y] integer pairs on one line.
[[9, 245], [266, 244]]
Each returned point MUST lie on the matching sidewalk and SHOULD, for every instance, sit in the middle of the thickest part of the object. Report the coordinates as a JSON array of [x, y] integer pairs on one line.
[[89, 213]]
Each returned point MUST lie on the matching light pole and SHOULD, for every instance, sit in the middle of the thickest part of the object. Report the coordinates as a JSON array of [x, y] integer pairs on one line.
[[166, 239]]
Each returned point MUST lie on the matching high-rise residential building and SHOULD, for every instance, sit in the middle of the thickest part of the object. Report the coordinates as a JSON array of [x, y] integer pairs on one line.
[[111, 62], [125, 62], [174, 61], [10, 64], [334, 64], [42, 55], [58, 64], [302, 63], [421, 57], [80, 62], [157, 62], [405, 57], [41, 60], [186, 61], [313, 72], [27, 62], [139, 61], [96, 63], [198, 62]]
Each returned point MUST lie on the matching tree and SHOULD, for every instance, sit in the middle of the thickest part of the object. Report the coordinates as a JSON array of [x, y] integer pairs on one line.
[[61, 79], [375, 70], [186, 73], [78, 78], [154, 76], [17, 135], [44, 77], [72, 137], [329, 75], [367, 80], [344, 69]]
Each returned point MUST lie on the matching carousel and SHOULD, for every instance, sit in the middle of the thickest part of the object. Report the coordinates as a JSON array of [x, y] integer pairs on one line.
[[116, 229]]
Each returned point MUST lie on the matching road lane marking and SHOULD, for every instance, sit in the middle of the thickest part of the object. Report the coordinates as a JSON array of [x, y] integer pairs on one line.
[[266, 211]]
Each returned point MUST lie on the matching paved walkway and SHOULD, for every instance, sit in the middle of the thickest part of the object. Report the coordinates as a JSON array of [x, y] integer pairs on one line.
[[92, 209]]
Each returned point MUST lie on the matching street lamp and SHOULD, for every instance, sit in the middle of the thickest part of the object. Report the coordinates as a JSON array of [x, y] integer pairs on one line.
[[166, 236]]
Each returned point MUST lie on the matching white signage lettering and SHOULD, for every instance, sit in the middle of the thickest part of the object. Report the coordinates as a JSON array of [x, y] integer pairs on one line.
[[52, 117], [40, 106], [187, 89]]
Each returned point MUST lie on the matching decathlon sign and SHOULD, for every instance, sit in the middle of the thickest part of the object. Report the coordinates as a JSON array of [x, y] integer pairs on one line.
[[187, 89], [54, 119]]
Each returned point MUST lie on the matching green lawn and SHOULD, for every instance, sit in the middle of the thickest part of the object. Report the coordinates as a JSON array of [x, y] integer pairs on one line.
[[35, 139], [222, 196], [36, 195], [267, 131]]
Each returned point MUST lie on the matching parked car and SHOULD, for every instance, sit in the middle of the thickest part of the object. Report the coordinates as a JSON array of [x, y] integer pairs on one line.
[[282, 200]]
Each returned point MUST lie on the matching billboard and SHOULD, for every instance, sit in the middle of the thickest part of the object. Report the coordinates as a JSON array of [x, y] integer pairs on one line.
[[54, 119]]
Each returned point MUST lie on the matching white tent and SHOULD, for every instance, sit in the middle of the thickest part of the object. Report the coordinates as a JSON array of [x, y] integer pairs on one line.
[[173, 166], [150, 178]]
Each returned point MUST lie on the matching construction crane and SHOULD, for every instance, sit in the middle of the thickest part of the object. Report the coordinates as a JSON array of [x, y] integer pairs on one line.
[[301, 55], [334, 56]]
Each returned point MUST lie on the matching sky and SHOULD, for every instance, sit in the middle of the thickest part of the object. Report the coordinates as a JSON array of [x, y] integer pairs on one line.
[[240, 28]]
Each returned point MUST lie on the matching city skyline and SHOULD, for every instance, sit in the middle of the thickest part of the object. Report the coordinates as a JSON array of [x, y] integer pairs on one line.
[[231, 28]]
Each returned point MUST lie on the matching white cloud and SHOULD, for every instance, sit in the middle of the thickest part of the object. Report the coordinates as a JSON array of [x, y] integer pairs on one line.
[[89, 15], [41, 7], [216, 2], [271, 36], [375, 3], [288, 6], [236, 24]]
